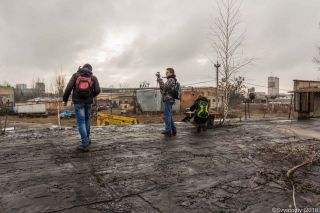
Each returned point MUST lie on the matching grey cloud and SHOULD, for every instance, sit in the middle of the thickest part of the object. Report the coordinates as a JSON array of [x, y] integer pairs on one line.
[[37, 36], [44, 33], [181, 44]]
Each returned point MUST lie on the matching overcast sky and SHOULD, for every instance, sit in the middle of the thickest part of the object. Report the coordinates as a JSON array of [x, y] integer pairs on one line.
[[128, 41]]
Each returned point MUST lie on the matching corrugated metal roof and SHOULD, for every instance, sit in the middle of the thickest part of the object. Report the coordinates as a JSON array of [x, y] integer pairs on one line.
[[313, 81]]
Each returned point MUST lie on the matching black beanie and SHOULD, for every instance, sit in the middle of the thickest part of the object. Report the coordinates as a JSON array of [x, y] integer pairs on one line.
[[88, 66]]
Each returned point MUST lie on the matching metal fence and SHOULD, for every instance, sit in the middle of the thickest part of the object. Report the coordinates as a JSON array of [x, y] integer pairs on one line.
[[150, 100]]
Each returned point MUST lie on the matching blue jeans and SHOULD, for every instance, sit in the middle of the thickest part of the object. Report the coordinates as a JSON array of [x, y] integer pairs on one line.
[[83, 114], [168, 116]]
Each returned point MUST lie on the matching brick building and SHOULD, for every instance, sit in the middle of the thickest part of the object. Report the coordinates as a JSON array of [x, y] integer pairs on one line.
[[190, 94]]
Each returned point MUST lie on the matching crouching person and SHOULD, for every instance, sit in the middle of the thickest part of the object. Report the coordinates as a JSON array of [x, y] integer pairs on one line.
[[84, 87], [201, 112]]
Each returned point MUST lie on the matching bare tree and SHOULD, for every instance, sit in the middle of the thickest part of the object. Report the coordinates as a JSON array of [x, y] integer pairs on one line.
[[227, 40], [33, 83], [124, 85], [238, 85], [51, 89], [60, 84], [144, 84], [5, 84], [317, 58], [36, 90]]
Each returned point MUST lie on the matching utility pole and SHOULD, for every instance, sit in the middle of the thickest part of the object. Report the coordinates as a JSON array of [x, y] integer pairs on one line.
[[290, 107], [217, 65], [6, 119], [111, 101], [1, 133]]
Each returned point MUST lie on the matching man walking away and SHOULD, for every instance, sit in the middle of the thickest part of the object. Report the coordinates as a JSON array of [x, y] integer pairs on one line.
[[201, 114], [84, 87], [169, 94]]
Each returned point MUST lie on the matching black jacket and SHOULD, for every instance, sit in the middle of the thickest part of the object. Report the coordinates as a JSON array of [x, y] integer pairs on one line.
[[72, 84], [195, 105]]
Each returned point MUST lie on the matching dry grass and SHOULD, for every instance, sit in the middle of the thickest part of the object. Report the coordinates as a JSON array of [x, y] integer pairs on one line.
[[50, 119], [142, 119]]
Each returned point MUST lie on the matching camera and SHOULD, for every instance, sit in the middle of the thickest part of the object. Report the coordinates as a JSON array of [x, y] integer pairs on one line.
[[158, 74]]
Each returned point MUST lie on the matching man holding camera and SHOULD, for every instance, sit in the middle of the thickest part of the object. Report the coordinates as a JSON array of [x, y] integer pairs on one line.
[[167, 90]]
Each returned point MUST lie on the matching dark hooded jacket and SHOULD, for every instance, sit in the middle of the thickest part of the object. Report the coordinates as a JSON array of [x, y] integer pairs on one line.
[[195, 105], [72, 85]]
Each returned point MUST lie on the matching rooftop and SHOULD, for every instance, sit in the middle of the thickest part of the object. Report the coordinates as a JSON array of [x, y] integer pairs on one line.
[[307, 81], [136, 169]]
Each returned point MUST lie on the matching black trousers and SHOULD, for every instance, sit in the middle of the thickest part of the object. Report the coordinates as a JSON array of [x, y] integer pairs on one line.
[[198, 120]]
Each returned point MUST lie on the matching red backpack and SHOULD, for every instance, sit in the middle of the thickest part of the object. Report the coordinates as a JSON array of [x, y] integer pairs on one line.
[[84, 86]]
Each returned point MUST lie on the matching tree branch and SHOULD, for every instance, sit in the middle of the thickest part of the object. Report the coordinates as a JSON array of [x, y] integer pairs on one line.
[[313, 159]]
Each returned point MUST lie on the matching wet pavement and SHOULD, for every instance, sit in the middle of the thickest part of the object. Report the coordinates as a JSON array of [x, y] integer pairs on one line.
[[240, 168]]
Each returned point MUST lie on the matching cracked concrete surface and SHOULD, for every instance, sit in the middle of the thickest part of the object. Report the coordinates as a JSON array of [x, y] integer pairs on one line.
[[135, 169]]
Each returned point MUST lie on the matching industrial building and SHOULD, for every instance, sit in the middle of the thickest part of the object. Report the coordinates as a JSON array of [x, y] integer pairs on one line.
[[123, 98], [150, 99], [21, 87], [259, 97], [306, 99], [40, 88], [23, 93], [133, 99], [7, 95], [51, 104], [273, 87]]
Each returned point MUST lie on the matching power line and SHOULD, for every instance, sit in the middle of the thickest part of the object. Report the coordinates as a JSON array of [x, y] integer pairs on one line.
[[265, 86], [252, 84], [201, 82]]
